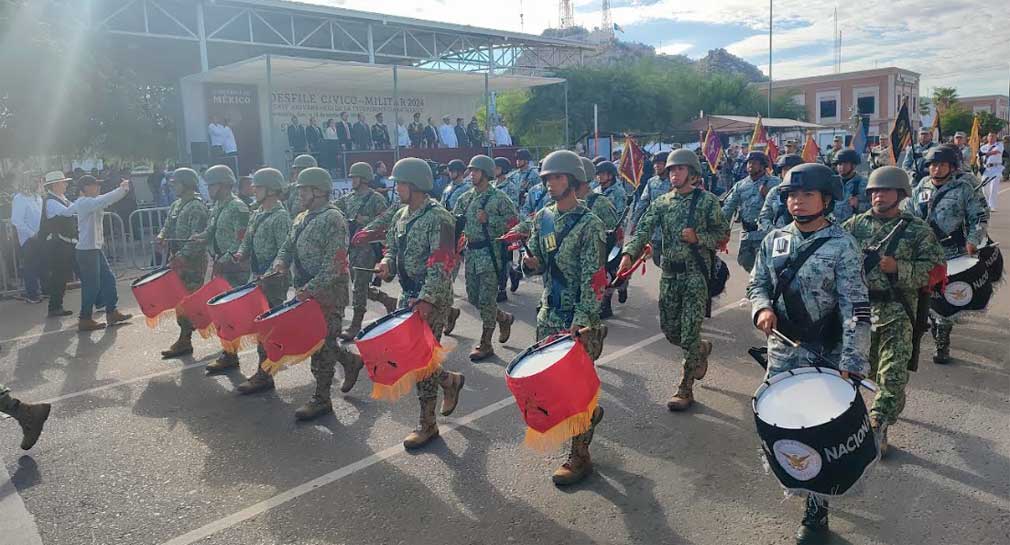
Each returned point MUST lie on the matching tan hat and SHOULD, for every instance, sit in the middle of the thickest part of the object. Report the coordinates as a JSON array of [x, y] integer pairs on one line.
[[55, 176], [961, 134]]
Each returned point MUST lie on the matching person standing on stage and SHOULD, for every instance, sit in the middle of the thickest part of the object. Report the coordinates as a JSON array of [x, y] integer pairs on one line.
[[462, 140], [431, 135], [315, 253], [903, 252], [187, 216], [447, 134], [361, 134], [747, 197], [265, 234], [58, 234], [421, 250], [474, 134], [808, 284], [314, 136], [380, 134], [344, 132], [296, 136], [416, 131], [691, 225], [992, 162], [566, 247]]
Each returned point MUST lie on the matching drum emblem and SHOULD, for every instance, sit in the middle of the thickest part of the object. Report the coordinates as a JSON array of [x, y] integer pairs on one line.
[[800, 461], [958, 293]]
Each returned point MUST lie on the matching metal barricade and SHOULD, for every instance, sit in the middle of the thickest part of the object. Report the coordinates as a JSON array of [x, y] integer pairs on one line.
[[117, 244], [144, 225], [10, 255]]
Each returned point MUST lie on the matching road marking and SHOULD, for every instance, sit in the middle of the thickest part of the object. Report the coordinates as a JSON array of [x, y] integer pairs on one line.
[[290, 494], [17, 523]]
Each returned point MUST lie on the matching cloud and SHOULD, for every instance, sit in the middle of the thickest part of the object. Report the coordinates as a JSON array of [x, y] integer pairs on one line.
[[675, 48]]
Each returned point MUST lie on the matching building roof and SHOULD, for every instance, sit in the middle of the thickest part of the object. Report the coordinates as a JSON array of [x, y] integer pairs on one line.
[[859, 74], [983, 97], [741, 123]]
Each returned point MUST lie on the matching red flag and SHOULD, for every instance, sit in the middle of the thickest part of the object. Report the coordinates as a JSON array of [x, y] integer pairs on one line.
[[632, 162], [773, 150], [759, 136], [599, 283], [712, 148], [810, 149]]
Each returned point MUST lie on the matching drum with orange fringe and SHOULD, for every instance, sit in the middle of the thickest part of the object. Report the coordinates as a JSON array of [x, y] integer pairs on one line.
[[158, 293], [233, 314], [556, 387], [398, 351], [194, 306], [290, 333]]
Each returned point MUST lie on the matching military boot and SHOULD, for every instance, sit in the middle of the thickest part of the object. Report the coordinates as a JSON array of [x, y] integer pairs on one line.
[[684, 397], [579, 464], [181, 347], [224, 363], [320, 403], [352, 365], [502, 296], [452, 385], [704, 351], [450, 320], [514, 277], [880, 432], [505, 321], [383, 298], [606, 308], [427, 428], [484, 350], [32, 418], [814, 528], [353, 329], [261, 381], [622, 293]]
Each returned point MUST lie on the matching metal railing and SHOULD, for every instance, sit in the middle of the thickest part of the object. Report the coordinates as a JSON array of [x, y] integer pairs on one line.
[[145, 224]]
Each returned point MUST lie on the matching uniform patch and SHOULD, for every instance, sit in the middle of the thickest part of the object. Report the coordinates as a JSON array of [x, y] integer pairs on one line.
[[781, 246], [550, 242]]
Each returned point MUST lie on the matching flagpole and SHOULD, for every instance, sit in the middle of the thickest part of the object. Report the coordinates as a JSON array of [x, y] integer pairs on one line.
[[770, 20]]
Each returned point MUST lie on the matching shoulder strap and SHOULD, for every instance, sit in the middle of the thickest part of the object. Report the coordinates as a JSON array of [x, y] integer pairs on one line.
[[793, 266], [892, 245], [591, 200], [695, 195]]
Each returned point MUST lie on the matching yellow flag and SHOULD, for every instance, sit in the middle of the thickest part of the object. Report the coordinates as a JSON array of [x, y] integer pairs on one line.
[[975, 141]]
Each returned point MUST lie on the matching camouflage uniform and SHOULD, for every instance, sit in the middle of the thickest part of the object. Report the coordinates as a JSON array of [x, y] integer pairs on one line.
[[830, 282], [656, 187], [774, 214], [917, 252], [852, 187], [524, 179], [508, 186], [748, 197], [617, 196], [362, 209], [267, 231], [598, 204], [453, 192], [228, 222], [187, 216], [918, 164]]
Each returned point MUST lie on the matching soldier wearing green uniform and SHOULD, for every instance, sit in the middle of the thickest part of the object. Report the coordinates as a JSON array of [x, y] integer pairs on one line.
[[613, 189], [361, 206], [656, 187], [901, 251], [486, 214], [30, 416], [748, 197], [302, 162], [228, 221], [267, 231], [316, 254], [187, 216], [599, 205], [421, 249], [692, 226], [566, 246]]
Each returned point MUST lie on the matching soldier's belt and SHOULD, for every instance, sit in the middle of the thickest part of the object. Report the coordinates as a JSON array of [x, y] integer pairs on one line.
[[674, 267], [749, 227], [477, 245]]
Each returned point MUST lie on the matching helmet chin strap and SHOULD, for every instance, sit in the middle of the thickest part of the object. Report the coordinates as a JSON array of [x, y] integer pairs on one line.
[[811, 217]]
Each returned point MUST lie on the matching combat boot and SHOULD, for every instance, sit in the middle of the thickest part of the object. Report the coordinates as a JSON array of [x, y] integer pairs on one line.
[[502, 296], [383, 298], [814, 528], [427, 428], [684, 397], [704, 351], [87, 324], [452, 385], [941, 335], [261, 381], [450, 320], [353, 329], [484, 350], [880, 432], [32, 418], [579, 464], [606, 310], [224, 363], [181, 347], [352, 365], [622, 294], [514, 277], [505, 321], [315, 407]]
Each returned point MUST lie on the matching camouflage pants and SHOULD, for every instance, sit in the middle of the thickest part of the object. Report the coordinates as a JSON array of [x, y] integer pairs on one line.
[[748, 253], [481, 290], [7, 403], [275, 288], [428, 388], [890, 351], [941, 331], [682, 301], [361, 256], [324, 361], [192, 274]]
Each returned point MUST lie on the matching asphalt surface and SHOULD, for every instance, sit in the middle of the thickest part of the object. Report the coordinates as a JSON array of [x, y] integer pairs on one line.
[[142, 451]]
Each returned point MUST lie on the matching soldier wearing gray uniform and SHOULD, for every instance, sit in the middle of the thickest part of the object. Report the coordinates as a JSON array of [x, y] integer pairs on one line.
[[774, 213], [915, 156], [747, 197], [854, 199]]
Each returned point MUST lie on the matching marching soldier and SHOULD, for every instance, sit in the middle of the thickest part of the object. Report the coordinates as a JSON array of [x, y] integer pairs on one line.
[[458, 184], [748, 196], [915, 163], [421, 249], [361, 206], [791, 147], [611, 187], [601, 206], [486, 213], [302, 162], [30, 416], [566, 246], [855, 199], [223, 236], [510, 187], [958, 217], [656, 187], [901, 251], [266, 233], [524, 176], [187, 216], [317, 247], [808, 284], [692, 226], [774, 214]]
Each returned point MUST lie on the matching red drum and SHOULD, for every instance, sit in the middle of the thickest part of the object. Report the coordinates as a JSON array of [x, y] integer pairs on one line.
[[556, 388], [158, 293], [234, 312], [290, 333], [194, 306], [398, 350]]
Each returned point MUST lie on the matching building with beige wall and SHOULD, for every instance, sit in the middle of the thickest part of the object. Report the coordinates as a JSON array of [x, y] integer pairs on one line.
[[998, 105]]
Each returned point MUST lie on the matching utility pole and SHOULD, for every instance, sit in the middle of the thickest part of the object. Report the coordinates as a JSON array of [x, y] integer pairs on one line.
[[770, 22]]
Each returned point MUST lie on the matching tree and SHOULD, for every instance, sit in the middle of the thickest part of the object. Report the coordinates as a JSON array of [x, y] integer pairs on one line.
[[955, 118], [988, 122], [944, 98]]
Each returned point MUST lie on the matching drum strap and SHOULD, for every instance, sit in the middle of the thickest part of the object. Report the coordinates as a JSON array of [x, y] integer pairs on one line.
[[409, 285], [253, 258], [804, 326], [919, 317], [558, 281], [487, 234]]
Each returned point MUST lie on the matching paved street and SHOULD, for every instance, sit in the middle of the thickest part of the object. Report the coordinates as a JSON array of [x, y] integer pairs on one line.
[[141, 451]]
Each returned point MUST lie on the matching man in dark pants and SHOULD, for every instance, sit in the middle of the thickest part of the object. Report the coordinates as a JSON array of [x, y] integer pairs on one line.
[[361, 134], [296, 136], [59, 235]]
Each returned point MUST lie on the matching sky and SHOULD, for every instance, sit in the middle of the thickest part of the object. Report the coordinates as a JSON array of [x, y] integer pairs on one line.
[[951, 43]]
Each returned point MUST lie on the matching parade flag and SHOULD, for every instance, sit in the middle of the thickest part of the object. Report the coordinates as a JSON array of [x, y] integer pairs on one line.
[[901, 132], [860, 135], [937, 131], [759, 136], [712, 148], [810, 149], [772, 151], [632, 162], [975, 141]]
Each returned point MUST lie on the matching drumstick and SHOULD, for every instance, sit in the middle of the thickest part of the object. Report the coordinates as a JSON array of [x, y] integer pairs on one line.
[[865, 383], [366, 269], [265, 276], [625, 275]]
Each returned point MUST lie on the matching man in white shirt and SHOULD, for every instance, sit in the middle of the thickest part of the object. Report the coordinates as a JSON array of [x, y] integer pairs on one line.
[[402, 136], [98, 284], [216, 133], [447, 134], [992, 162], [26, 211], [228, 143], [501, 134]]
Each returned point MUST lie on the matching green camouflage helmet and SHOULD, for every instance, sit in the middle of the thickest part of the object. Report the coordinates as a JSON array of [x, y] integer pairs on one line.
[[362, 170], [588, 169], [889, 178], [484, 164], [304, 161], [186, 177], [315, 177], [684, 157], [219, 174], [562, 162], [415, 172], [270, 178]]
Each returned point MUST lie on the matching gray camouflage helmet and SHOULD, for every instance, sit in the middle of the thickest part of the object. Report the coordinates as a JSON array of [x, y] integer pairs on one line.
[[219, 174], [415, 172], [588, 169], [484, 164], [270, 178], [362, 170], [889, 177], [186, 177], [315, 177], [562, 162], [684, 157], [304, 161]]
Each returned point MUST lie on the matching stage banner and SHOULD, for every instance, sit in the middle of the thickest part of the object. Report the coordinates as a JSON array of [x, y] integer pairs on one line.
[[238, 106]]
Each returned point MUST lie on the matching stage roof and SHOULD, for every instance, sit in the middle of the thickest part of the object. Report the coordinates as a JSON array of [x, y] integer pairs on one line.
[[302, 73], [741, 123]]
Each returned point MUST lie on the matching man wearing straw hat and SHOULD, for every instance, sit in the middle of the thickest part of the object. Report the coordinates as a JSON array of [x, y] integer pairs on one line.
[[59, 235]]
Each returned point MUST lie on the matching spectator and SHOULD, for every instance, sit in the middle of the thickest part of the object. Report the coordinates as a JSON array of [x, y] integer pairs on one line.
[[313, 136], [402, 136], [296, 136], [462, 140], [992, 164], [501, 134], [474, 134], [58, 235], [430, 134], [215, 135], [26, 211], [361, 134], [381, 182], [230, 145], [416, 131], [446, 134], [380, 134], [344, 131], [330, 132]]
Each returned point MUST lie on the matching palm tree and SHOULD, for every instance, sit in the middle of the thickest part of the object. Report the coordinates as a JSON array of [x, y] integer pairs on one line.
[[944, 97]]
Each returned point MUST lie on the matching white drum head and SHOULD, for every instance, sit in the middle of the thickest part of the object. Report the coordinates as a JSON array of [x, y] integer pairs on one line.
[[804, 400], [234, 295], [283, 310], [960, 264], [153, 277], [386, 326], [541, 359]]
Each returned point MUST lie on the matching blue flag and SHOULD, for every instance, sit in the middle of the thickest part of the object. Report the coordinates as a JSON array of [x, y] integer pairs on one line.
[[861, 135]]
